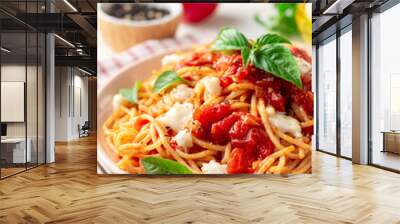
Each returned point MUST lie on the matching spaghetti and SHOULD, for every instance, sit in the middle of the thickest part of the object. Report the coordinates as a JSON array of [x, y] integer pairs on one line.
[[219, 117]]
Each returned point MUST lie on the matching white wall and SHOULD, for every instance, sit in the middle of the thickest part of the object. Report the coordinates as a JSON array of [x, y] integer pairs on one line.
[[33, 127], [62, 81], [12, 73], [70, 83], [80, 94]]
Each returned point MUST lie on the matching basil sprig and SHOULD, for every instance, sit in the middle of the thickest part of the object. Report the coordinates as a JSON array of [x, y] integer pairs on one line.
[[165, 80], [157, 165], [231, 39], [267, 53], [270, 38], [276, 60], [284, 21], [132, 94]]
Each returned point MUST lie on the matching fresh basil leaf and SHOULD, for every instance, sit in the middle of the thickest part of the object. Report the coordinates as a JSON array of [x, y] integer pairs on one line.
[[230, 39], [284, 22], [132, 95], [165, 80], [245, 56], [157, 165], [279, 61], [270, 38]]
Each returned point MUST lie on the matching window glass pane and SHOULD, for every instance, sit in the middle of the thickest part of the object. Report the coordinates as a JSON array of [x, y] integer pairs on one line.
[[41, 98], [31, 97], [22, 88], [327, 96], [346, 94], [314, 82], [14, 150], [385, 89]]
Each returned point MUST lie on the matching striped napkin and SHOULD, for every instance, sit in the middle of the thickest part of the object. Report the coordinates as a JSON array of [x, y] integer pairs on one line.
[[108, 68]]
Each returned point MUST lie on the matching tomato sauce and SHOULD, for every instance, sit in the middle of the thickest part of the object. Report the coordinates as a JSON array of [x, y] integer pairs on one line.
[[277, 92], [221, 125], [299, 53], [139, 123], [240, 162], [208, 115], [243, 130], [201, 59]]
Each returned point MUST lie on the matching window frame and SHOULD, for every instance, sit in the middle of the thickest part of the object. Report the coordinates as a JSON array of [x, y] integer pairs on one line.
[[334, 37], [379, 10], [31, 30]]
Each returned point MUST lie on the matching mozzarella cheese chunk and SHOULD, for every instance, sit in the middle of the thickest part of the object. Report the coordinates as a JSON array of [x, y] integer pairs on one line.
[[181, 93], [304, 66], [212, 86], [184, 139], [171, 59], [270, 110], [286, 124], [178, 116], [213, 167], [117, 101]]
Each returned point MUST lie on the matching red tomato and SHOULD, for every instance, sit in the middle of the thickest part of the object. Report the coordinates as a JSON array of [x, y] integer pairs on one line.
[[272, 90], [257, 142], [300, 53], [195, 149], [234, 63], [212, 114], [196, 12], [200, 59], [242, 73], [242, 126], [234, 126], [222, 63], [266, 148], [268, 82], [139, 123], [225, 81], [302, 97], [232, 68], [244, 131], [307, 82], [240, 161], [220, 129], [248, 141], [277, 101], [305, 99], [308, 130], [200, 133]]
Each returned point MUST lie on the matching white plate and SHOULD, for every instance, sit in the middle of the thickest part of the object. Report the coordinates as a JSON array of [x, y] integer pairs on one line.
[[125, 78]]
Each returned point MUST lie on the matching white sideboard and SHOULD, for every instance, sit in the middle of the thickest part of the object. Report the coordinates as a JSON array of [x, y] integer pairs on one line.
[[18, 149]]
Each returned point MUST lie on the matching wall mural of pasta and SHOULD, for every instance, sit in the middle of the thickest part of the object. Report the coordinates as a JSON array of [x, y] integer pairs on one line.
[[188, 97]]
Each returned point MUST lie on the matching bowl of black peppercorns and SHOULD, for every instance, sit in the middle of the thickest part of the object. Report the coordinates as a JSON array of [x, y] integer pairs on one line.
[[123, 25]]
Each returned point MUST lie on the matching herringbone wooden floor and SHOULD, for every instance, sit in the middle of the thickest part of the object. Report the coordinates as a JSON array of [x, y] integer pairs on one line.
[[70, 191]]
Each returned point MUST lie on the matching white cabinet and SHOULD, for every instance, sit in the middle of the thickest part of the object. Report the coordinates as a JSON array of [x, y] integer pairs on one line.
[[16, 149]]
